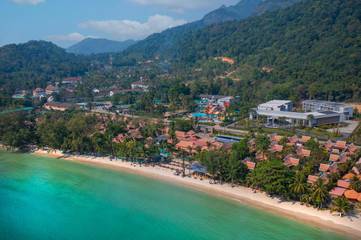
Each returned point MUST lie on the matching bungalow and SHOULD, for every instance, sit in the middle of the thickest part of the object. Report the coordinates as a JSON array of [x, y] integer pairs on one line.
[[351, 195], [276, 138], [305, 139], [276, 148], [291, 161], [348, 176], [341, 145], [324, 167], [334, 158], [187, 146], [302, 152], [312, 179], [260, 156], [343, 184], [337, 192], [250, 165]]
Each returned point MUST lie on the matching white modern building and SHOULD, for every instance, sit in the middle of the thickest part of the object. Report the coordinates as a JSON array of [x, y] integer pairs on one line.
[[276, 105], [345, 110], [278, 113]]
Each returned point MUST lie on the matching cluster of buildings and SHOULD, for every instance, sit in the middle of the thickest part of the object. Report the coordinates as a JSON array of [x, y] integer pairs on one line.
[[191, 142], [212, 108], [279, 113]]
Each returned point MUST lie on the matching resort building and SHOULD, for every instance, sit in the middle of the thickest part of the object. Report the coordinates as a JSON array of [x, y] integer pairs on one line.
[[212, 108], [278, 113], [276, 105], [346, 111]]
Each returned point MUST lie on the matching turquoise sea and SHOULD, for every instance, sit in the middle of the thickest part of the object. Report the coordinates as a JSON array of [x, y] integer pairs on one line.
[[43, 198]]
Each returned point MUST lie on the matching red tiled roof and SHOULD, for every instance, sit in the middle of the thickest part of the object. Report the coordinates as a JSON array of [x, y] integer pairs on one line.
[[304, 152], [312, 179], [276, 138], [343, 183], [348, 176], [351, 194], [277, 148], [359, 197], [305, 139], [291, 161], [341, 144], [250, 165], [184, 145], [324, 167], [334, 157], [337, 191]]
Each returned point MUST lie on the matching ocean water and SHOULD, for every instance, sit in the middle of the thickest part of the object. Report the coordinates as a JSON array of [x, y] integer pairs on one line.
[[43, 198]]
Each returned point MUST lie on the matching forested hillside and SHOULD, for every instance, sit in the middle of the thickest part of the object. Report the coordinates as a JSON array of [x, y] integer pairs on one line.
[[309, 50], [165, 43], [312, 49], [33, 64]]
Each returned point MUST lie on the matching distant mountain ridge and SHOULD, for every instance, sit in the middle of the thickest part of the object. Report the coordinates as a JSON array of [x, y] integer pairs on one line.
[[97, 46], [163, 43]]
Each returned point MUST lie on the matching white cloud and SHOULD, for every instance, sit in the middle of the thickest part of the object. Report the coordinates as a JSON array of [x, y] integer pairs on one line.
[[28, 2], [71, 37], [181, 5], [128, 29]]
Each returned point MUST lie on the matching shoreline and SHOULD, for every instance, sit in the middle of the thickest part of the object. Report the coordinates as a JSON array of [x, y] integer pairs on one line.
[[322, 219]]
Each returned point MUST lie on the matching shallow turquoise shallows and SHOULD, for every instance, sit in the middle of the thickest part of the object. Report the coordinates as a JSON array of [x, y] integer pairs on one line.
[[42, 198]]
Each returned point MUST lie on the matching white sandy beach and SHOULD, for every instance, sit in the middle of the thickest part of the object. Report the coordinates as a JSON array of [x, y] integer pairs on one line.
[[323, 219]]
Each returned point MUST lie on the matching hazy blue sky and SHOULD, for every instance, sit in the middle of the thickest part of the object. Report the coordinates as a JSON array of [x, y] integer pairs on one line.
[[68, 21]]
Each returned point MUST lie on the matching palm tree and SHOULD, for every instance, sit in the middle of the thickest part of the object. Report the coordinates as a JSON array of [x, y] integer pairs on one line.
[[299, 186], [262, 143], [319, 194], [341, 205]]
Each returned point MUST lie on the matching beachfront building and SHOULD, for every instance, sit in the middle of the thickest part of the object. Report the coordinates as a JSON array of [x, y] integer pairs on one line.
[[278, 113], [345, 111]]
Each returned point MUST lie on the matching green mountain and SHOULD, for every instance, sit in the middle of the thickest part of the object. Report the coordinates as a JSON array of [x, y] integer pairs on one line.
[[163, 43], [96, 46], [245, 9], [23, 66], [311, 50]]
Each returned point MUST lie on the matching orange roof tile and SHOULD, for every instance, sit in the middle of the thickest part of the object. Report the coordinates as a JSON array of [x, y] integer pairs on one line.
[[276, 138], [348, 176], [277, 148], [351, 195], [343, 183], [250, 165], [305, 139], [324, 167], [359, 197], [334, 157], [337, 191], [341, 144], [312, 179], [291, 161], [304, 152]]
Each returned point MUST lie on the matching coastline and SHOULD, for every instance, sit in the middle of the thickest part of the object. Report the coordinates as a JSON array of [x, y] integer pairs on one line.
[[293, 210]]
